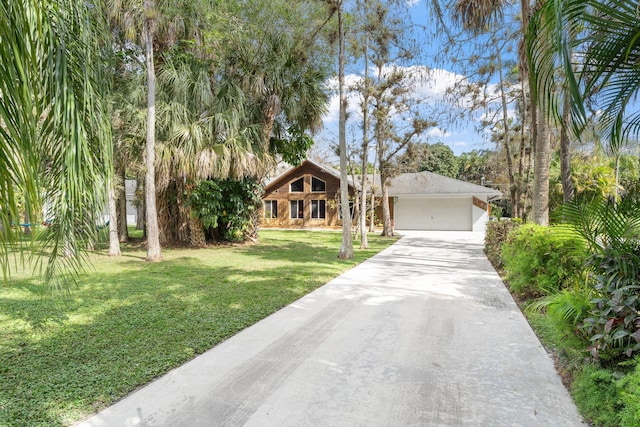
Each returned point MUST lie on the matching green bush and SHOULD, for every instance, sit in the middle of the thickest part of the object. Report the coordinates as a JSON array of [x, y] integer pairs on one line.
[[226, 207], [614, 321], [566, 310], [543, 260], [496, 234], [595, 392], [611, 230], [629, 388]]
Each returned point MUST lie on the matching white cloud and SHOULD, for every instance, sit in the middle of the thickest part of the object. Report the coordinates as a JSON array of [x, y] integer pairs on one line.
[[429, 87], [438, 133], [353, 99], [426, 86]]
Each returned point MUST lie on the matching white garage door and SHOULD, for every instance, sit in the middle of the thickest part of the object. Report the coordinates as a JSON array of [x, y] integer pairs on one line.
[[433, 214]]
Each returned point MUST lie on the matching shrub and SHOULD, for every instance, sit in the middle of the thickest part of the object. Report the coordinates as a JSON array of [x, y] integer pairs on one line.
[[226, 207], [629, 389], [495, 236], [542, 260], [566, 310], [595, 392], [612, 232], [614, 321]]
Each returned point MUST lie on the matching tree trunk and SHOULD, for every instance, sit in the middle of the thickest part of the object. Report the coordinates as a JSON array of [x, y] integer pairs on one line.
[[153, 240], [346, 248], [164, 215], [541, 137], [182, 233], [387, 229], [140, 210], [26, 228], [196, 229], [506, 140], [114, 242], [271, 110], [518, 209], [568, 190], [372, 213], [123, 231], [540, 202], [364, 240]]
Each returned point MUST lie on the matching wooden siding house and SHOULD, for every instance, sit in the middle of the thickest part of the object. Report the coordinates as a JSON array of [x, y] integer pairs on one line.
[[303, 197]]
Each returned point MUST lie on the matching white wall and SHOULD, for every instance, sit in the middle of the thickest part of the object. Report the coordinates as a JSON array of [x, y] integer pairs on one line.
[[480, 216], [130, 193]]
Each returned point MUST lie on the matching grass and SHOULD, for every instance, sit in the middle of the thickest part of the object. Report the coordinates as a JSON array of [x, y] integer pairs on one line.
[[128, 322]]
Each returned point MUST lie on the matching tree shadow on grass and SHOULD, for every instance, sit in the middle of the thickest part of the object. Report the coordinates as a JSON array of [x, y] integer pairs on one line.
[[117, 332]]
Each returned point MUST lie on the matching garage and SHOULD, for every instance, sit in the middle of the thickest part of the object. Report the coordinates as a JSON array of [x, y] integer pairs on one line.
[[428, 201], [433, 213]]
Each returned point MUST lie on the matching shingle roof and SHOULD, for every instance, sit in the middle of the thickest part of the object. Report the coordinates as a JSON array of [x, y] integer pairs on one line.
[[328, 169], [411, 184], [431, 184]]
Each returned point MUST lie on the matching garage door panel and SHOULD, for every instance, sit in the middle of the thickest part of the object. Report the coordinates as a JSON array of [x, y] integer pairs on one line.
[[433, 214]]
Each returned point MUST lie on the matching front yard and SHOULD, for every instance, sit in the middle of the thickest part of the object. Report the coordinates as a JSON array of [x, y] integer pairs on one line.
[[128, 322]]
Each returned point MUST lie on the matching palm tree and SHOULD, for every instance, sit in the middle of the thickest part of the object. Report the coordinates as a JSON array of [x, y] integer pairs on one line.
[[608, 51], [153, 235], [477, 15], [126, 17], [156, 25], [54, 147], [228, 114]]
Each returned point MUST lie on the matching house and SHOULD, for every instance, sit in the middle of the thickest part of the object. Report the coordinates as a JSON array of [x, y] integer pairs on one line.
[[308, 196], [304, 196]]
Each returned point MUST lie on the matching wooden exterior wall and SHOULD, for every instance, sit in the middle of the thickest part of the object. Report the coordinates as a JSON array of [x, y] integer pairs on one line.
[[378, 210], [279, 190]]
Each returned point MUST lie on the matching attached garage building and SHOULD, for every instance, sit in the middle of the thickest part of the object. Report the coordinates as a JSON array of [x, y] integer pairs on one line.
[[428, 201]]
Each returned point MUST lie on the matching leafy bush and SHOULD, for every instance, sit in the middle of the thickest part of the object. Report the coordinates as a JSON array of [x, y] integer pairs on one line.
[[543, 260], [566, 310], [629, 389], [614, 324], [226, 207], [596, 394], [496, 234], [612, 233]]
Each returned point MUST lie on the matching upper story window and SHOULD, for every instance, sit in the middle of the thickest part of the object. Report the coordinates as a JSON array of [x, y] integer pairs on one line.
[[297, 186], [318, 185]]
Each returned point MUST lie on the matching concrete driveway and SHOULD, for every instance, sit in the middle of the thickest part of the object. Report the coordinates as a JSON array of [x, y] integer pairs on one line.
[[423, 334]]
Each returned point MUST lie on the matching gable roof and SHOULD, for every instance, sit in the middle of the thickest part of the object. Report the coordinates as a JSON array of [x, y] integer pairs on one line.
[[432, 184], [406, 184], [286, 175]]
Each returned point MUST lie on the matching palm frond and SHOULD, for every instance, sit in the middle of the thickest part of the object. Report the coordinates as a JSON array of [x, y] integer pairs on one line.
[[56, 133], [477, 15], [603, 223], [604, 68]]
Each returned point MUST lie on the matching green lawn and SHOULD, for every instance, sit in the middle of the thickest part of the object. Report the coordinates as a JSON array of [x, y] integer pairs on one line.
[[129, 321]]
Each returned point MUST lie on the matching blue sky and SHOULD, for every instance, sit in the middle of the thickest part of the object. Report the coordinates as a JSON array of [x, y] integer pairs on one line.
[[460, 137]]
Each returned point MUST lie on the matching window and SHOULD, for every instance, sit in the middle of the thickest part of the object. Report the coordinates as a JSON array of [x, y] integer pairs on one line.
[[318, 185], [297, 186], [271, 209], [318, 209], [297, 209]]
